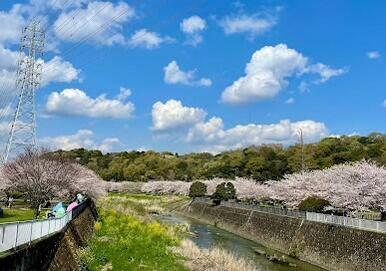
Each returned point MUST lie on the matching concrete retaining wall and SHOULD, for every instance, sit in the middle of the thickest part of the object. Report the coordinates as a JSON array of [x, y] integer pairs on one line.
[[56, 252], [331, 247]]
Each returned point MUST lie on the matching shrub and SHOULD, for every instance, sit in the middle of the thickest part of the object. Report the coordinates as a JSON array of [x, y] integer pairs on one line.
[[197, 189], [313, 204], [224, 191]]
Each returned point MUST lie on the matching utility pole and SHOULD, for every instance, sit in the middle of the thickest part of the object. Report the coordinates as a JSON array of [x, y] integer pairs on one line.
[[28, 77], [302, 157]]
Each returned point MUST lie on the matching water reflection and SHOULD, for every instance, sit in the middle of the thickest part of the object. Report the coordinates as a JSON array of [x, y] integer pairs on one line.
[[206, 236]]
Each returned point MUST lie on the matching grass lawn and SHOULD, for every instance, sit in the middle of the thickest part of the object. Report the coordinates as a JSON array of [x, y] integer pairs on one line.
[[128, 238], [18, 214]]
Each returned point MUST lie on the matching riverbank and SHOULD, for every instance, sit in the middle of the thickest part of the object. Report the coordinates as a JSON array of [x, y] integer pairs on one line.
[[328, 246], [128, 237]]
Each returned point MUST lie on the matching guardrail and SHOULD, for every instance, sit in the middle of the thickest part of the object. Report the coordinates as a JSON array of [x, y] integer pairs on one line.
[[267, 209], [14, 234], [363, 224]]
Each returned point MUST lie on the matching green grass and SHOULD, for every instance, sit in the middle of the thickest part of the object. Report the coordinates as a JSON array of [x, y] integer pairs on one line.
[[18, 214], [127, 238]]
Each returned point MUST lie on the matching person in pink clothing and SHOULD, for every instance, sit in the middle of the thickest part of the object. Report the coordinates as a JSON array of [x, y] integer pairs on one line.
[[71, 206]]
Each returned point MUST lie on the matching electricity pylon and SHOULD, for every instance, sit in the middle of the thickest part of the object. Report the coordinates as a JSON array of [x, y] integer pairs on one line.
[[28, 77]]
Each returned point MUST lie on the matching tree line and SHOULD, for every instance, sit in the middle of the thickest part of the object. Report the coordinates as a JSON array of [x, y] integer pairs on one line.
[[261, 163]]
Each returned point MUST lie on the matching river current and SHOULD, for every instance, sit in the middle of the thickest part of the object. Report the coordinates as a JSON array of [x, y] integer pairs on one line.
[[206, 236]]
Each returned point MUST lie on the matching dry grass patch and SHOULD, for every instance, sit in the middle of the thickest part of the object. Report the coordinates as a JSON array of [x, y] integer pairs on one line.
[[214, 259]]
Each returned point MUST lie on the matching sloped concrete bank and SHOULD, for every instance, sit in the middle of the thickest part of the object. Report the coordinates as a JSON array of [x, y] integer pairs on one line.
[[332, 247], [58, 251]]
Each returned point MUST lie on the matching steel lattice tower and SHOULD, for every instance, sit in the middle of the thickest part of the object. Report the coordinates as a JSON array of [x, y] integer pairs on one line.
[[28, 77]]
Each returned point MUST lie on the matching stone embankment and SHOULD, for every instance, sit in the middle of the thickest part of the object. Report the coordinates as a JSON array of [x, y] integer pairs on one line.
[[332, 247]]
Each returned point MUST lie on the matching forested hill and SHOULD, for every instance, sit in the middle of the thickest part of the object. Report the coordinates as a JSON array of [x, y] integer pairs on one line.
[[261, 163]]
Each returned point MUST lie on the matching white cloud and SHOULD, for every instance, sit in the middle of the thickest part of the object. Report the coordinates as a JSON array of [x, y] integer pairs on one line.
[[55, 70], [212, 136], [109, 144], [384, 103], [11, 23], [174, 75], [290, 101], [63, 4], [253, 25], [75, 102], [147, 39], [267, 72], [99, 22], [124, 93], [59, 70], [173, 115], [189, 125], [4, 132], [303, 86], [4, 128], [81, 139], [8, 59], [373, 54], [7, 81], [325, 71], [193, 27]]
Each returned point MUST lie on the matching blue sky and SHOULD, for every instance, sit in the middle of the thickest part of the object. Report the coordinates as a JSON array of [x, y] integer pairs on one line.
[[203, 76]]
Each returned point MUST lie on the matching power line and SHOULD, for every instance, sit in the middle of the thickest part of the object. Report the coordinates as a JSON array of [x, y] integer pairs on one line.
[[138, 37], [66, 52], [77, 11], [80, 19]]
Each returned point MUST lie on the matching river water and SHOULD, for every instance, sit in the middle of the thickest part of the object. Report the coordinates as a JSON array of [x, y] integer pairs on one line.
[[206, 236]]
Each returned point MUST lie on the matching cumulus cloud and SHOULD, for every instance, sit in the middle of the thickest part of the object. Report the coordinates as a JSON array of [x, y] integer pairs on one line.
[[11, 23], [252, 25], [109, 144], [99, 22], [189, 124], [373, 54], [81, 139], [55, 70], [384, 103], [193, 27], [75, 102], [147, 39], [267, 72], [59, 70], [8, 59], [172, 115], [174, 75], [213, 137]]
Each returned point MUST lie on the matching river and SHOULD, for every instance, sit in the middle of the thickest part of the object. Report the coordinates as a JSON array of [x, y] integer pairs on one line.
[[206, 236]]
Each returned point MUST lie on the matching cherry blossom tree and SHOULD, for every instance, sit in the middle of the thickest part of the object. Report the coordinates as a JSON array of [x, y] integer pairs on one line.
[[40, 176], [4, 182], [88, 183], [356, 186]]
